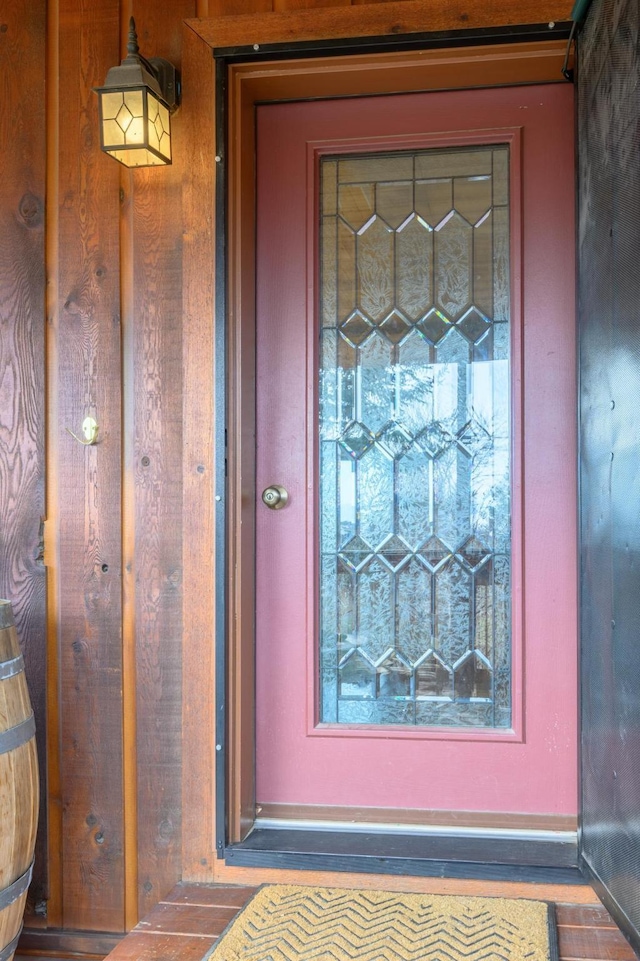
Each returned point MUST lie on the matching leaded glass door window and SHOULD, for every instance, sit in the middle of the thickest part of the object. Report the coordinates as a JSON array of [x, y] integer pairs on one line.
[[415, 438]]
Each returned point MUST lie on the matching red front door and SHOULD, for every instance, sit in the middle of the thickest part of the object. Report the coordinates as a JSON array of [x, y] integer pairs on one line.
[[416, 612]]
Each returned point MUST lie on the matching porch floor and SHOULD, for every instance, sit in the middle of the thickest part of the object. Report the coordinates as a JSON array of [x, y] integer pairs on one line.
[[189, 920]]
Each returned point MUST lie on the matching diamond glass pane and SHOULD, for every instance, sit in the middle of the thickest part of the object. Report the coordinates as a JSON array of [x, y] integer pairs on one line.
[[414, 429]]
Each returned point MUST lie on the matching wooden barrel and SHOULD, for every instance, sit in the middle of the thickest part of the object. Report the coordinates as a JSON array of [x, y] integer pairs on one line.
[[18, 786]]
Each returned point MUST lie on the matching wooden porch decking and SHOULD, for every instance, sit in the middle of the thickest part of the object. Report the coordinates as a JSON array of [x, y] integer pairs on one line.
[[185, 925]]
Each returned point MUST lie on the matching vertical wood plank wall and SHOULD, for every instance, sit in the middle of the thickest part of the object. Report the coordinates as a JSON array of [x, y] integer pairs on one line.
[[198, 465], [127, 810], [84, 363], [155, 463]]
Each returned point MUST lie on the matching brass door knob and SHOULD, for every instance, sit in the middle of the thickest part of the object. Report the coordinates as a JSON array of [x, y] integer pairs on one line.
[[275, 497]]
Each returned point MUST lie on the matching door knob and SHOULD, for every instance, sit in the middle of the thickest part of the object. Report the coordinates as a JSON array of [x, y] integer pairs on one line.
[[275, 497]]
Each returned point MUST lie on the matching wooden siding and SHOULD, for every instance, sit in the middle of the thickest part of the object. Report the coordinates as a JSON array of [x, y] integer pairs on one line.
[[115, 543], [84, 378], [153, 359], [198, 466], [126, 740]]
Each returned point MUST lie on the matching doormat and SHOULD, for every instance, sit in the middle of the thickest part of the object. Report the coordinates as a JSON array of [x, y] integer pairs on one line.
[[285, 922]]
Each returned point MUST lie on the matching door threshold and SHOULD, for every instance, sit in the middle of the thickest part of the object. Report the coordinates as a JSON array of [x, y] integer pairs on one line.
[[415, 830], [419, 855]]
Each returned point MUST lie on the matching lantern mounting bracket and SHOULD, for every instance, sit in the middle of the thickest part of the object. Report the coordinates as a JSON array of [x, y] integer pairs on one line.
[[168, 80]]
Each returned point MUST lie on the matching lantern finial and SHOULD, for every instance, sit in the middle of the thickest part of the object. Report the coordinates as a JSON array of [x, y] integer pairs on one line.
[[133, 50]]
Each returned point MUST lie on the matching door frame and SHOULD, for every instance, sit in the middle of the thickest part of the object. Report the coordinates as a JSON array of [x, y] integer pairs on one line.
[[248, 66]]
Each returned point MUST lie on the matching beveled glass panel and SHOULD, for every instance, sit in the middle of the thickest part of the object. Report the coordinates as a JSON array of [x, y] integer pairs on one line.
[[414, 439], [374, 169], [472, 197], [356, 204], [414, 503], [434, 200], [394, 202], [329, 295], [346, 269], [394, 677], [414, 382], [414, 267], [330, 191], [414, 609], [453, 265], [452, 163], [501, 264], [483, 265], [376, 477], [375, 268], [375, 609]]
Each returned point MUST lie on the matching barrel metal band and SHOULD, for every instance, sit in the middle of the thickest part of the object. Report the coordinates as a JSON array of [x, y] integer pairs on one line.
[[18, 735], [11, 668], [15, 890], [8, 950]]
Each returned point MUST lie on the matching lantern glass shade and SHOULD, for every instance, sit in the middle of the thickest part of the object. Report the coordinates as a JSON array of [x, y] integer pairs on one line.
[[134, 126]]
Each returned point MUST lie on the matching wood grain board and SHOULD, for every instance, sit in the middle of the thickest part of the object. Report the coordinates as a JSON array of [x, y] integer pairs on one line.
[[198, 465], [397, 18], [22, 359], [84, 362], [153, 390], [53, 943]]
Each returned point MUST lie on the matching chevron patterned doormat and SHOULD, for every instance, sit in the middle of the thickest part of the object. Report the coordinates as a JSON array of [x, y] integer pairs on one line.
[[294, 923]]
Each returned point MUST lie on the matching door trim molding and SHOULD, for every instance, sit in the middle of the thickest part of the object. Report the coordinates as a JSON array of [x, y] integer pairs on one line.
[[249, 84], [222, 813]]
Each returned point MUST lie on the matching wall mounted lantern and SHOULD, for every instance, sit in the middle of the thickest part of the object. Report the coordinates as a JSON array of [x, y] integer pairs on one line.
[[135, 104]]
